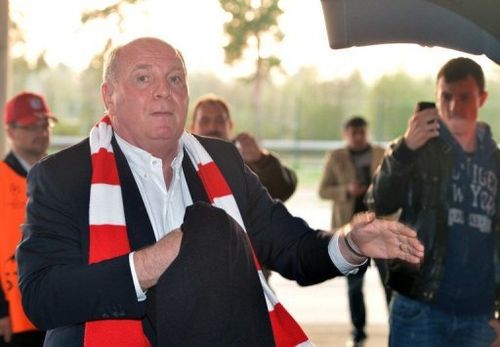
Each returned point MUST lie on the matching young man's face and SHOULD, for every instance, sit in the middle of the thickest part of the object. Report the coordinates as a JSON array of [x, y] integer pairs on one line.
[[458, 104], [356, 138]]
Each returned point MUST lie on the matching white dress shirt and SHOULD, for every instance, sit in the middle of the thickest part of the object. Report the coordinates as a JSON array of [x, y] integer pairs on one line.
[[166, 205]]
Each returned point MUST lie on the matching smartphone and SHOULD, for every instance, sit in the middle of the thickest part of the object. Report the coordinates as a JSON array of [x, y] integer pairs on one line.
[[422, 105]]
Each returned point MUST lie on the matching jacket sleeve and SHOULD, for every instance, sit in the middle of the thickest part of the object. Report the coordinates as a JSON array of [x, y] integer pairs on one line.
[[390, 183], [58, 287], [283, 243], [279, 180], [329, 187]]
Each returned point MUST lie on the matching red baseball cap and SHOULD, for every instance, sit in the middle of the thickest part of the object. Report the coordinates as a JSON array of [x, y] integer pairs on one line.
[[26, 109]]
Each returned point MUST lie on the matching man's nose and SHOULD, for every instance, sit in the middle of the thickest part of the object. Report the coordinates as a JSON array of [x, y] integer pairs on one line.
[[454, 104], [162, 90]]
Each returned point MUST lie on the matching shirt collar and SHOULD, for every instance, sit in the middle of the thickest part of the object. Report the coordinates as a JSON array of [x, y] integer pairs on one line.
[[26, 166], [142, 161]]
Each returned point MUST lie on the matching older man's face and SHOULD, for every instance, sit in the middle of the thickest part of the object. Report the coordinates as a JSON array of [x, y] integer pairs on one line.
[[211, 119], [148, 102]]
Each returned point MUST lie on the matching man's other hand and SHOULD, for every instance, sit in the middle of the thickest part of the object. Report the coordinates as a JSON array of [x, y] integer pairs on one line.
[[495, 324], [384, 239], [151, 262], [6, 329], [249, 148]]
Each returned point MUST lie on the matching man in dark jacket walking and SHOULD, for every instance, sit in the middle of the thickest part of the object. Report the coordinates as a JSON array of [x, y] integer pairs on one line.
[[443, 175]]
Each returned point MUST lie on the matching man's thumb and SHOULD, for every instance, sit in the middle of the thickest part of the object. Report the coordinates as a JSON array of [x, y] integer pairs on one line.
[[363, 218]]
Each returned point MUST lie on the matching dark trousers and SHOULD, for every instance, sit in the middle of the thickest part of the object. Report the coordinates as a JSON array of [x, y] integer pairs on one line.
[[211, 294], [357, 301], [26, 339]]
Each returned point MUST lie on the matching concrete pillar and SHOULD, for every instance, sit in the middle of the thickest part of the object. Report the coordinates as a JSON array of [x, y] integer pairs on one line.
[[4, 58]]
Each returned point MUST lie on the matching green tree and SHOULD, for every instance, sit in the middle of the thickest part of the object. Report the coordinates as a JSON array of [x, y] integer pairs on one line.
[[253, 26], [315, 110], [114, 12], [73, 97], [392, 102]]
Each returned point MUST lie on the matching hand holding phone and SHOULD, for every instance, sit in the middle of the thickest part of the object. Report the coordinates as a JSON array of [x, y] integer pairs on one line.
[[422, 126]]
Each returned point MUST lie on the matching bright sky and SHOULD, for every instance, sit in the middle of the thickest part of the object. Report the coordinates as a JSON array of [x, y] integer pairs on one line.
[[195, 27]]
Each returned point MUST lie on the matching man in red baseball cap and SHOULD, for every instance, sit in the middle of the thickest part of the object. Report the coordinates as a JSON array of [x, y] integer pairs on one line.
[[27, 120]]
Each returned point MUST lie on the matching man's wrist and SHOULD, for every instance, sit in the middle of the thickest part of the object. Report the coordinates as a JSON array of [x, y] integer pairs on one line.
[[260, 160], [352, 254], [338, 258], [352, 246]]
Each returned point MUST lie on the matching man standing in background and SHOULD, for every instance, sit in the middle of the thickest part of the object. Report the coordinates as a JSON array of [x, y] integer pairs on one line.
[[27, 120], [346, 176], [211, 117], [443, 174]]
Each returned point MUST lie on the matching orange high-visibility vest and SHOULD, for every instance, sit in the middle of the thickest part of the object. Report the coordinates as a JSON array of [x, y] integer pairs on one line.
[[12, 215]]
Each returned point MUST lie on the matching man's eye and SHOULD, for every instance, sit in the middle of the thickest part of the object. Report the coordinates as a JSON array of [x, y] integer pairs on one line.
[[143, 78], [176, 80], [447, 97]]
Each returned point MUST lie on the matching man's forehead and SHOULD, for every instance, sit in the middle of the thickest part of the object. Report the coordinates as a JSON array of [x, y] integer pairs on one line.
[[212, 109], [356, 129], [146, 66], [458, 88], [465, 84], [144, 53]]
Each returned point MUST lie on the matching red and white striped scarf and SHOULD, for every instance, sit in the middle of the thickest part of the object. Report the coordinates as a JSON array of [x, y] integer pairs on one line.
[[109, 239]]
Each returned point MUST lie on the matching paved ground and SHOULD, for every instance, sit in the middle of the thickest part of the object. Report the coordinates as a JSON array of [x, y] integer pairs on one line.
[[322, 310]]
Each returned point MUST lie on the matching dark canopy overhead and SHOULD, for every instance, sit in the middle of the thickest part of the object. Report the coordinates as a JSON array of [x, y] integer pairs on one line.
[[471, 26]]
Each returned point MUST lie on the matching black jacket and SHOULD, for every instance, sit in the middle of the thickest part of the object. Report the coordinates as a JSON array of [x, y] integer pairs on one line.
[[278, 179], [417, 182], [61, 291]]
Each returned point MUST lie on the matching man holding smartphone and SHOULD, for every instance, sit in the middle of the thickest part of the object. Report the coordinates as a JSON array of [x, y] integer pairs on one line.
[[443, 175]]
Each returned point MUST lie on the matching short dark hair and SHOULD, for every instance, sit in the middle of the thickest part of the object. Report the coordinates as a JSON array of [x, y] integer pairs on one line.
[[459, 68], [355, 122]]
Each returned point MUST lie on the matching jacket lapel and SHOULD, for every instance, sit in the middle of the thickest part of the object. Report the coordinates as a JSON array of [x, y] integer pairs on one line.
[[139, 229], [194, 183]]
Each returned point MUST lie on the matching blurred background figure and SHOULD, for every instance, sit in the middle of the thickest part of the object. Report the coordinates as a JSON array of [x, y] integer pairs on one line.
[[211, 117], [346, 176], [27, 121]]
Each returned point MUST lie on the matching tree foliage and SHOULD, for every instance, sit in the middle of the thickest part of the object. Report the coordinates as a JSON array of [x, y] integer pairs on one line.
[[248, 27], [112, 12], [253, 26], [392, 102], [115, 12]]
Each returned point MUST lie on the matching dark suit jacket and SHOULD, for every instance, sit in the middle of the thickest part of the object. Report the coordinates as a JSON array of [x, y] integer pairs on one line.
[[61, 291]]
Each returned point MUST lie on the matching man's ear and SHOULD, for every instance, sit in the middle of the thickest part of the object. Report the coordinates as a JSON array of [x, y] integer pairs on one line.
[[107, 90], [483, 98]]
